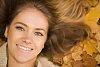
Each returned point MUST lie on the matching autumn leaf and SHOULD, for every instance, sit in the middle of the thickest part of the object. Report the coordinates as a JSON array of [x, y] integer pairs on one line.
[[91, 20], [93, 16], [77, 63], [76, 52], [90, 3], [98, 59], [88, 61], [98, 47], [67, 61], [90, 47]]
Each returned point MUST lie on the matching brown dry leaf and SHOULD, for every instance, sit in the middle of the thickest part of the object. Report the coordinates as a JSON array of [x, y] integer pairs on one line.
[[58, 59], [90, 47], [88, 61], [67, 59], [98, 59], [77, 63], [76, 56], [76, 52]]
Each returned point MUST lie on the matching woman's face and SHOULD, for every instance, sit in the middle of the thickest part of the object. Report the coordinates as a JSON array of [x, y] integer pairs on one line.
[[26, 35]]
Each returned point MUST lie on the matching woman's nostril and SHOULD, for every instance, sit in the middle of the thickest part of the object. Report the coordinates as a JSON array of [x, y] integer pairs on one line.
[[27, 41]]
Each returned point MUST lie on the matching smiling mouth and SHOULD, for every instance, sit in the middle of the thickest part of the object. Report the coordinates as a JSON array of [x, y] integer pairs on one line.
[[24, 48]]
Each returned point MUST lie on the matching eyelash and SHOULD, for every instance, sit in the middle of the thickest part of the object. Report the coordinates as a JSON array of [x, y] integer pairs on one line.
[[38, 33], [20, 28]]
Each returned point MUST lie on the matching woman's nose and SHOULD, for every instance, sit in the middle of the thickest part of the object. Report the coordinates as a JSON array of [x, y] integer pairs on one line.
[[27, 39]]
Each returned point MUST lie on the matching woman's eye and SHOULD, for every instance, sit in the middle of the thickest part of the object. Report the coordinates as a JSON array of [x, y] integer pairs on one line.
[[20, 28], [38, 34]]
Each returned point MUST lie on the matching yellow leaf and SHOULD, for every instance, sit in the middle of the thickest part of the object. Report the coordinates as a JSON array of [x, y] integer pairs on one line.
[[93, 16], [90, 47], [91, 20]]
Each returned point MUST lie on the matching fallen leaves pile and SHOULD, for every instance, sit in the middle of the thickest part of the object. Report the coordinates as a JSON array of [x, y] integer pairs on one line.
[[86, 53]]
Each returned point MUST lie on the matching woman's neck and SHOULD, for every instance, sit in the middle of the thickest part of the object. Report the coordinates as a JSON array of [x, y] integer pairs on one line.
[[13, 63]]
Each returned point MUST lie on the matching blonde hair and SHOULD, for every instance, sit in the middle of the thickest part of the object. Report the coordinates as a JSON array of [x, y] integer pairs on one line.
[[67, 10]]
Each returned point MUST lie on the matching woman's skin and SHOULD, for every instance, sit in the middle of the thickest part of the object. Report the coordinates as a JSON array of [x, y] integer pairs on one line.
[[26, 36]]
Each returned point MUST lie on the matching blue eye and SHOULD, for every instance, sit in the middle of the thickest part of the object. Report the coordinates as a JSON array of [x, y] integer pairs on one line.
[[38, 34], [20, 28]]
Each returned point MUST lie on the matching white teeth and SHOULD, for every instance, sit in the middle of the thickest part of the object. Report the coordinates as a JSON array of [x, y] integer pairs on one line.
[[24, 48]]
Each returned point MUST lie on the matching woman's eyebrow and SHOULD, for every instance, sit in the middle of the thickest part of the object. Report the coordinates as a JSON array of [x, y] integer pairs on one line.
[[21, 23]]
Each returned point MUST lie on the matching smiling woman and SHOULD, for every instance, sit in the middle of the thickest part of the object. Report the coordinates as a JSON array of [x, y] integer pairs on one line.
[[23, 36], [26, 23]]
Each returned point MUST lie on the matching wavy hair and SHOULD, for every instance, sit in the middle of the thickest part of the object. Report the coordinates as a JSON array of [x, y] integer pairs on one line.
[[67, 10]]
